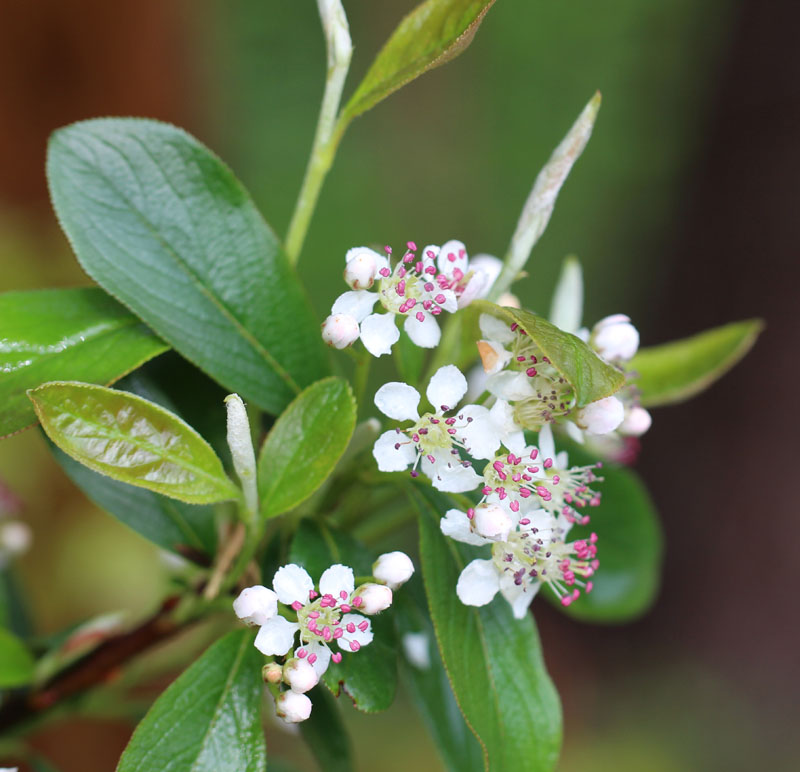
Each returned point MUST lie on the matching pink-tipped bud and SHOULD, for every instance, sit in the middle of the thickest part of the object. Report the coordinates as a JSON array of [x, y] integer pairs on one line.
[[340, 330], [300, 675], [602, 416], [362, 267], [374, 598], [272, 673], [393, 569], [637, 422], [293, 707], [492, 522], [256, 605], [615, 338]]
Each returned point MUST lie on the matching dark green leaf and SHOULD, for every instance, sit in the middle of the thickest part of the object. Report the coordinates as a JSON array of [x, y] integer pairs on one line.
[[80, 334], [16, 662], [326, 735], [433, 33], [675, 371], [304, 445], [132, 440], [590, 376], [315, 547], [164, 226], [494, 661], [209, 720]]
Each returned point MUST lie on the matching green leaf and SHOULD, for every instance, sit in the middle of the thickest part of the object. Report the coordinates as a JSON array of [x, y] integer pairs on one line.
[[494, 661], [16, 662], [326, 735], [131, 440], [590, 376], [163, 225], [317, 546], [209, 720], [433, 33], [675, 371], [629, 547], [80, 334], [409, 359], [304, 445], [566, 308]]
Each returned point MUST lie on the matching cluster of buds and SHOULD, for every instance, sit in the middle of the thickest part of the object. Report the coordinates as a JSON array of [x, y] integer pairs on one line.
[[300, 622]]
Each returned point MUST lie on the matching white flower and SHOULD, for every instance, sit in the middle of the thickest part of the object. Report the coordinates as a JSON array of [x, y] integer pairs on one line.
[[375, 597], [637, 422], [300, 675], [340, 330], [256, 605], [433, 440], [602, 416], [393, 569], [615, 338], [467, 281], [416, 647], [293, 707]]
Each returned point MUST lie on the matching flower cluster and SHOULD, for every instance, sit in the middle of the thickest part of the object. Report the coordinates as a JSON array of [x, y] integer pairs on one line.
[[301, 623]]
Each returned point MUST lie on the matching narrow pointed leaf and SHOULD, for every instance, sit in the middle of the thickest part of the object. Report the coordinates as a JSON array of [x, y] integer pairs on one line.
[[164, 226], [566, 310], [16, 662], [80, 334], [494, 661], [326, 735], [590, 376], [433, 33], [209, 720], [132, 440], [304, 445], [674, 372]]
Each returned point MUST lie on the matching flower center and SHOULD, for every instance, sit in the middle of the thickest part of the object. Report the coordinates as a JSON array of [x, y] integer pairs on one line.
[[321, 619]]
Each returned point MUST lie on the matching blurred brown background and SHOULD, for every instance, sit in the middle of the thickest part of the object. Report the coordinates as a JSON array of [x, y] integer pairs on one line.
[[682, 211]]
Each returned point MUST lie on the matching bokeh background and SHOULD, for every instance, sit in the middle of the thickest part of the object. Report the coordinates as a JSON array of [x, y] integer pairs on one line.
[[682, 210]]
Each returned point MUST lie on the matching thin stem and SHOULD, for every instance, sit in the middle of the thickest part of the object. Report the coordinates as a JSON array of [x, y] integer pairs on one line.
[[361, 376], [226, 557]]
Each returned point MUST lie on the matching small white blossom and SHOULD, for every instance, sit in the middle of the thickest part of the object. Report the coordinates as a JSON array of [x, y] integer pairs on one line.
[[375, 597], [468, 281], [637, 421], [602, 416], [416, 647], [362, 267], [340, 330], [293, 707], [393, 569], [256, 605], [615, 338], [300, 675]]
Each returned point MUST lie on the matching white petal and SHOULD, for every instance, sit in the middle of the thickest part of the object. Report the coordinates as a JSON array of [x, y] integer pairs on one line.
[[574, 431], [323, 655], [398, 400], [453, 477], [547, 447], [276, 637], [390, 458], [425, 334], [450, 303], [601, 416], [476, 380], [452, 255], [379, 333], [430, 252], [256, 605], [361, 637], [446, 388], [337, 579], [477, 287], [518, 595], [480, 435], [356, 251], [455, 524], [493, 328], [636, 423], [510, 386], [488, 265], [416, 647], [478, 583], [292, 583], [357, 303]]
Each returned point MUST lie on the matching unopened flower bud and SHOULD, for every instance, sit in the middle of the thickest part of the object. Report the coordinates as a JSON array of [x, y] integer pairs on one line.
[[15, 537], [293, 707], [615, 338], [272, 673], [636, 423], [393, 569], [374, 598], [256, 605], [509, 300], [602, 416], [300, 675], [240, 442], [361, 268], [492, 522], [340, 330]]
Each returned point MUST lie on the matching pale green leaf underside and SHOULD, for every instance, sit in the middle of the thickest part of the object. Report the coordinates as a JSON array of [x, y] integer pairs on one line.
[[16, 662]]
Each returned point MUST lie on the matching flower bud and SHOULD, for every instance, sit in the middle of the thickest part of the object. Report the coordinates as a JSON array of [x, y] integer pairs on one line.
[[361, 268], [272, 673], [300, 675], [340, 330], [293, 707], [637, 422], [393, 569], [256, 605], [615, 338], [374, 598], [602, 416], [15, 537], [509, 300], [492, 522]]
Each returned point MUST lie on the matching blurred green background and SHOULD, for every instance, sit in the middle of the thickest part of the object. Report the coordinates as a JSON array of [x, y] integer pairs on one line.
[[681, 211]]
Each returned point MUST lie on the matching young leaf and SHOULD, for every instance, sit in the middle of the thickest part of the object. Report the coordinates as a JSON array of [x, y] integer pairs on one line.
[[304, 445], [326, 735], [132, 440], [675, 371], [433, 33], [209, 720], [566, 310], [590, 376], [163, 225], [16, 662], [493, 660], [81, 334]]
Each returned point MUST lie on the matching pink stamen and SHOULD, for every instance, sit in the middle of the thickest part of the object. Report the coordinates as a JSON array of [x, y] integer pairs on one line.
[[336, 657], [312, 658], [297, 605], [354, 645]]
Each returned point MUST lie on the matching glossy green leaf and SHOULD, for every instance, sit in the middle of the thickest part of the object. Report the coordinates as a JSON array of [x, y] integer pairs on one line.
[[494, 661], [304, 445], [590, 376], [162, 224], [209, 720], [317, 546], [132, 440], [81, 334], [16, 662], [326, 735], [433, 33], [675, 371], [629, 547]]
